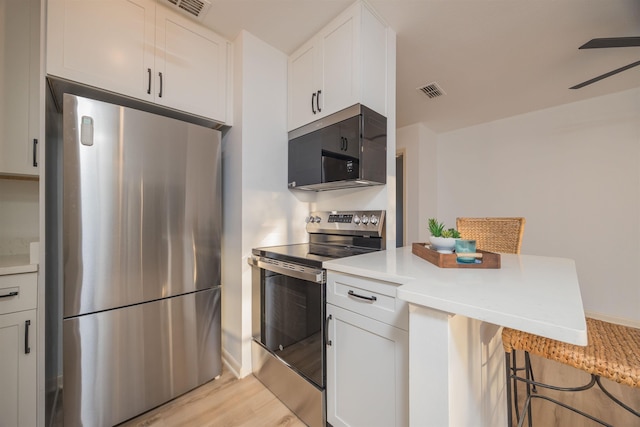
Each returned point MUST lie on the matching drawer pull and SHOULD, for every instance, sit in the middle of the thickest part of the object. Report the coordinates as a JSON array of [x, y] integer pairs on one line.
[[10, 294], [326, 331], [371, 298], [27, 349]]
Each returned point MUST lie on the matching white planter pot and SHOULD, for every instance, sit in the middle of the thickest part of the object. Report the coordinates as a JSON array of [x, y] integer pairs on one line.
[[443, 244]]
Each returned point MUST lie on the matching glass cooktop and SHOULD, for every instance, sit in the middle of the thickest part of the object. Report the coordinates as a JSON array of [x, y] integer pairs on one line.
[[310, 254]]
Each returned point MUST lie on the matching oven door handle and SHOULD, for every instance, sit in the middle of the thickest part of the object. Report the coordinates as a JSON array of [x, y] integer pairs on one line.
[[289, 269]]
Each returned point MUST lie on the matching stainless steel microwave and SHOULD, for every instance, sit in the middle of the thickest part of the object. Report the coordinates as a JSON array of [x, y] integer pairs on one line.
[[342, 150]]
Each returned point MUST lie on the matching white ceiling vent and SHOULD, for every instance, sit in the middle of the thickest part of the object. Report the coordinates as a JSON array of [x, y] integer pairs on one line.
[[432, 90], [194, 8]]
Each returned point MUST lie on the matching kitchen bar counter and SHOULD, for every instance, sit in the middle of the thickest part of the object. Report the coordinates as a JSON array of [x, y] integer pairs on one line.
[[535, 294], [456, 360]]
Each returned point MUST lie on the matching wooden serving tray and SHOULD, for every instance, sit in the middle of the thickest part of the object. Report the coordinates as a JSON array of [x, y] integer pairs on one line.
[[488, 260]]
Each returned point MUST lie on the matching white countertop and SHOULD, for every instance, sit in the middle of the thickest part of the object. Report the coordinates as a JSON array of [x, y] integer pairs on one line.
[[530, 293], [15, 264]]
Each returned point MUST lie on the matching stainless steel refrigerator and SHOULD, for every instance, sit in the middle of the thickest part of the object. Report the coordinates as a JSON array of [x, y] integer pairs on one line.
[[138, 199]]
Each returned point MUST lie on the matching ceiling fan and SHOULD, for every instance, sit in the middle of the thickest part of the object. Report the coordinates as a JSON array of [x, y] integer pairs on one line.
[[606, 43]]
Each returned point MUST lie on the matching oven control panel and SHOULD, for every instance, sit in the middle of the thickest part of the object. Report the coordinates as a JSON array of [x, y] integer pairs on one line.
[[366, 223], [341, 218]]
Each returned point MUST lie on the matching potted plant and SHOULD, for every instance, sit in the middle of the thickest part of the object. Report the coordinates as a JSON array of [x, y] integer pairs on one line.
[[442, 239]]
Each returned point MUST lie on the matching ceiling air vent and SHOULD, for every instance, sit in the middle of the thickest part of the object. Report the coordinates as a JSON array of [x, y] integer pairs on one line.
[[193, 8], [432, 90]]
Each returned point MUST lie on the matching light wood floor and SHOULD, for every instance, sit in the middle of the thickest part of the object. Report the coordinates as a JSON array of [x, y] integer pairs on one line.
[[225, 402]]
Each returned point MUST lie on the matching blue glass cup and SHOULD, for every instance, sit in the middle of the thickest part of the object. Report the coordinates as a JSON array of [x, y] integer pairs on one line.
[[465, 246]]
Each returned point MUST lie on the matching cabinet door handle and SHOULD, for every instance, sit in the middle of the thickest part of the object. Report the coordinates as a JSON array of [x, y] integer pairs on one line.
[[9, 295], [313, 108], [342, 143], [326, 330], [371, 298], [35, 151], [160, 93], [318, 101], [149, 81], [27, 349]]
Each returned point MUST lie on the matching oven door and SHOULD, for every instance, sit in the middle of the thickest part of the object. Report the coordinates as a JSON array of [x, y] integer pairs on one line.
[[291, 301]]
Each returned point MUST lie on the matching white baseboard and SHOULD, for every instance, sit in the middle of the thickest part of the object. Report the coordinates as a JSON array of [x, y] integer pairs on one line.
[[613, 319], [231, 363]]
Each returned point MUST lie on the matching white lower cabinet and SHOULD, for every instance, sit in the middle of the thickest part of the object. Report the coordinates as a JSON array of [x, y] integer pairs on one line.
[[18, 329], [18, 369], [367, 359]]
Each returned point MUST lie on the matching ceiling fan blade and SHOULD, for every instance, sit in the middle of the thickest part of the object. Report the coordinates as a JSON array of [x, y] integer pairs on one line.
[[604, 76], [611, 42]]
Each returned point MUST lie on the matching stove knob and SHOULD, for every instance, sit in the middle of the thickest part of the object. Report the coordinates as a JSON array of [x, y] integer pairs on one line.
[[308, 219], [356, 220], [318, 219], [374, 220], [311, 219], [365, 220]]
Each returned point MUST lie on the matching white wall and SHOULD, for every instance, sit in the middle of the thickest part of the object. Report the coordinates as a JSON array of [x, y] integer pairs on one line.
[[18, 215], [419, 145], [259, 210], [574, 172]]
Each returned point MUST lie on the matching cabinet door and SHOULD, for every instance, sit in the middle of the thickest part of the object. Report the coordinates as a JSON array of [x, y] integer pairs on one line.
[[191, 67], [340, 59], [304, 69], [18, 369], [103, 43], [367, 371], [19, 76]]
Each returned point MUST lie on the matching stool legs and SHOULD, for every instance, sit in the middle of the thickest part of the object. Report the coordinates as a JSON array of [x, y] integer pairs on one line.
[[512, 387], [512, 379]]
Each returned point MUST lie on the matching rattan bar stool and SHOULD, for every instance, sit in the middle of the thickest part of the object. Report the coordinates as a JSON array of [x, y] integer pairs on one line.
[[502, 235], [613, 352]]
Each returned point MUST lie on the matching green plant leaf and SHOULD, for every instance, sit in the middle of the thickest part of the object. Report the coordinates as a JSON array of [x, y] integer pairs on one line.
[[435, 228]]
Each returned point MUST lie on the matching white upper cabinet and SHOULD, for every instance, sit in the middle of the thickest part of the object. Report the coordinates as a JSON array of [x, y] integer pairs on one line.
[[193, 63], [303, 87], [140, 49], [106, 44], [19, 77], [344, 64]]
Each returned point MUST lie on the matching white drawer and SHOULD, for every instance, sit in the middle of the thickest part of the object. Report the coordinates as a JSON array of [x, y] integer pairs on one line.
[[18, 292], [372, 298]]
